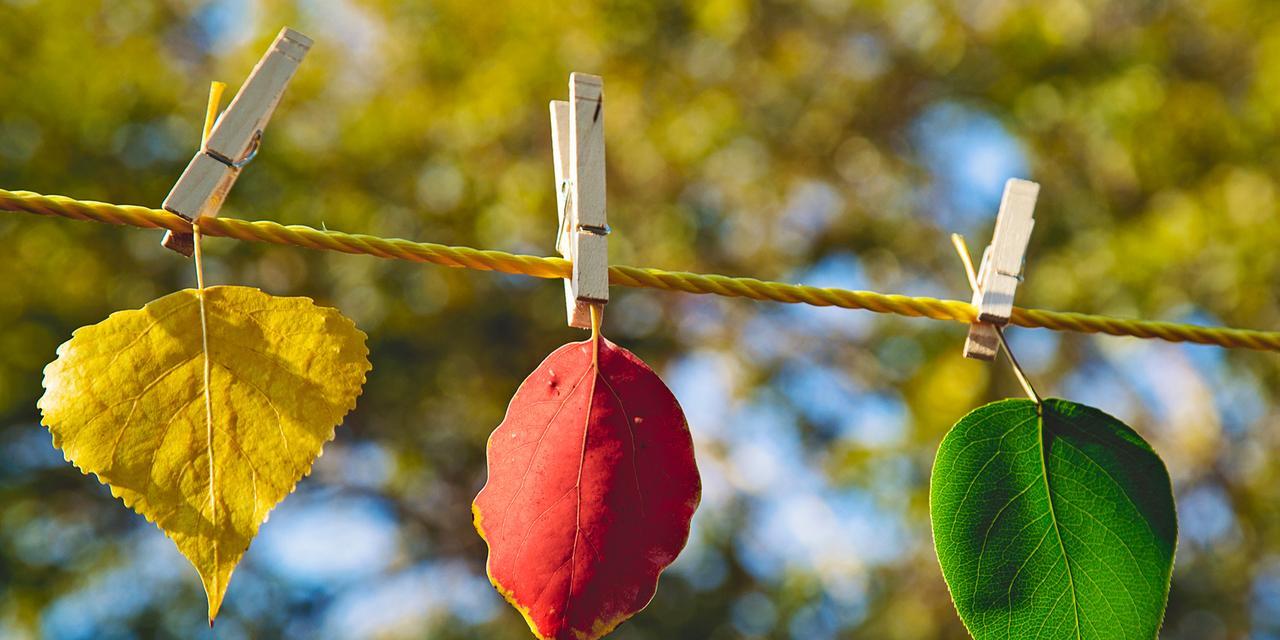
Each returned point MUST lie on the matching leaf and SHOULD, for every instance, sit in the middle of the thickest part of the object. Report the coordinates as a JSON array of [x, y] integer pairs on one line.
[[1058, 525], [126, 401], [592, 484]]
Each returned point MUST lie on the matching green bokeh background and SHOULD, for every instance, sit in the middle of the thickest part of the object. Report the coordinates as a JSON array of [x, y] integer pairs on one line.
[[823, 142]]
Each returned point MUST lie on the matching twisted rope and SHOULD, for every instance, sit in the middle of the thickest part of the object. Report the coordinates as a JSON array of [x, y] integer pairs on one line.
[[539, 267]]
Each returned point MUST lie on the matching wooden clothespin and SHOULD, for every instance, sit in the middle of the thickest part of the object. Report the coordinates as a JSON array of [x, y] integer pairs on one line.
[[235, 138], [1001, 269], [577, 144]]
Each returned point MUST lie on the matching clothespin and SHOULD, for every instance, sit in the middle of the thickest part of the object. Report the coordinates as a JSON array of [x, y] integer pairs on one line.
[[235, 138], [577, 144], [1001, 269]]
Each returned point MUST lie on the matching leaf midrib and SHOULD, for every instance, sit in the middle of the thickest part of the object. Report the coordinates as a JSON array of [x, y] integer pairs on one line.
[[1053, 517], [594, 369], [208, 413]]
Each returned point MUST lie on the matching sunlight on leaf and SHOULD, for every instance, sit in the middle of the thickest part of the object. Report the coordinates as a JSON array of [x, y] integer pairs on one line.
[[1053, 526], [125, 400]]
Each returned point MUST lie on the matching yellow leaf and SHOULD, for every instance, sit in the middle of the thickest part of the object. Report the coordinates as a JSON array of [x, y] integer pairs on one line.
[[126, 400]]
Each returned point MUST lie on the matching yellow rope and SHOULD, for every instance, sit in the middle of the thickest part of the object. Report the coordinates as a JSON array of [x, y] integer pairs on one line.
[[485, 260]]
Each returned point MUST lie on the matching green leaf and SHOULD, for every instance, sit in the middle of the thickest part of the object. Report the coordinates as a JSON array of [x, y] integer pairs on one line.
[[127, 401], [1056, 523]]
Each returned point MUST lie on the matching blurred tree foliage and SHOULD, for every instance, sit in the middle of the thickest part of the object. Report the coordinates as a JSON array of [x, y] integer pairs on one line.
[[822, 141]]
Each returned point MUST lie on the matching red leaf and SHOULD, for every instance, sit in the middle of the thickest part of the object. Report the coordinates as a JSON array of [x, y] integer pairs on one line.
[[592, 484]]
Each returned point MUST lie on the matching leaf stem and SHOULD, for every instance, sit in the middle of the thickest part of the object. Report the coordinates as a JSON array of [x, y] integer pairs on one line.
[[210, 117], [597, 316], [962, 249], [211, 112], [1017, 369]]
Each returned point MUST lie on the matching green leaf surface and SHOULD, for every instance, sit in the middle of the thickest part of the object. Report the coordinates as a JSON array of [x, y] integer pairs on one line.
[[1057, 523]]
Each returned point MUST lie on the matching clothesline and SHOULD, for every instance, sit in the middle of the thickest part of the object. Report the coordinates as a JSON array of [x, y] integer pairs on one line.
[[541, 267]]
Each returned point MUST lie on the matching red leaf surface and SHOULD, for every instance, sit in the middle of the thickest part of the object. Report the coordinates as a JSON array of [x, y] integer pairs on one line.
[[592, 484]]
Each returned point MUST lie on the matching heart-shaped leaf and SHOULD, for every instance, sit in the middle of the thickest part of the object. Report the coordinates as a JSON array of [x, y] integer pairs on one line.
[[592, 484], [1052, 522], [126, 400]]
